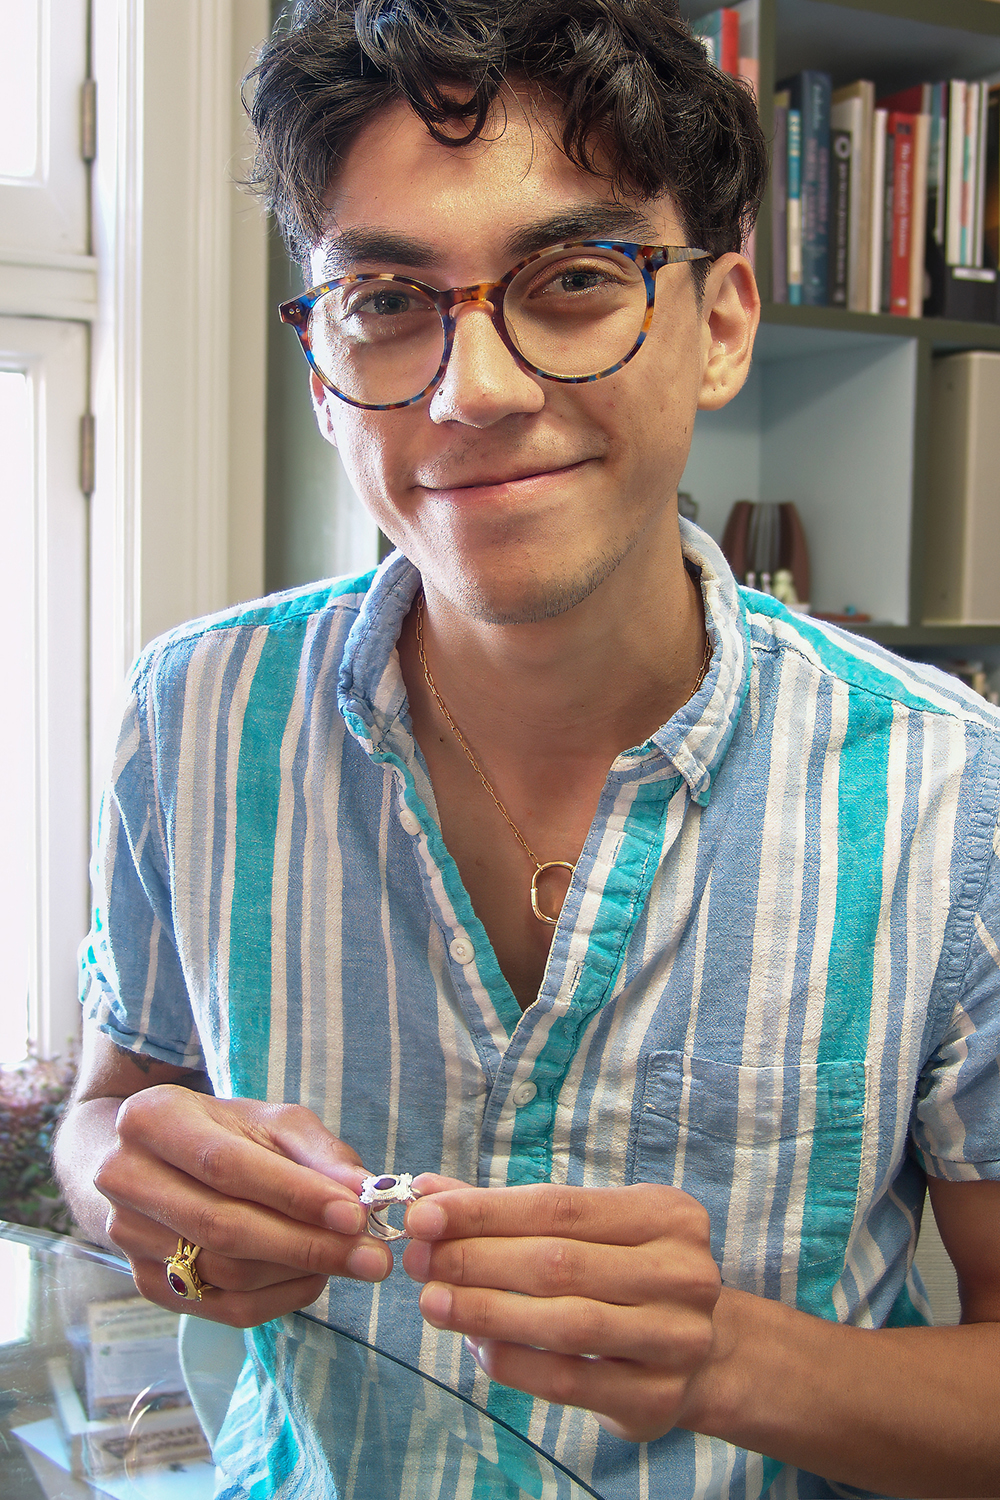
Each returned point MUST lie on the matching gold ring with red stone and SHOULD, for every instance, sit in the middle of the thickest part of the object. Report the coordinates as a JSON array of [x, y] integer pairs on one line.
[[182, 1276]]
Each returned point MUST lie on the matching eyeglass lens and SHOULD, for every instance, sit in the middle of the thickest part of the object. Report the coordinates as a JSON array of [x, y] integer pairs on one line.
[[573, 313]]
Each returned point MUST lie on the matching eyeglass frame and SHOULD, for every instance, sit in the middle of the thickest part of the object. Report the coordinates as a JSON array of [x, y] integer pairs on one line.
[[648, 259]]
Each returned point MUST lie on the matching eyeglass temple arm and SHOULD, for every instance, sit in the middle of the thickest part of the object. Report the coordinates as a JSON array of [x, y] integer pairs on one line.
[[672, 255]]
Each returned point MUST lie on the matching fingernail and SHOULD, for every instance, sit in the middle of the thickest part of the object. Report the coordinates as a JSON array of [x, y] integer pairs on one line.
[[473, 1349], [435, 1303], [344, 1217], [368, 1263], [426, 1220]]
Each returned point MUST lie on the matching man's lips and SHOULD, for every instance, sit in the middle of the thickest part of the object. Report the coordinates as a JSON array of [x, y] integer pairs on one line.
[[498, 477]]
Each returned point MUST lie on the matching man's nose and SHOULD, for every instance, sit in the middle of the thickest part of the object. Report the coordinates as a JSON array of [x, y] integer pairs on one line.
[[483, 382]]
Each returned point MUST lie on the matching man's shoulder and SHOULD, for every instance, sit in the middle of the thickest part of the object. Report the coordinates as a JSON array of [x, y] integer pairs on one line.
[[282, 618], [863, 667]]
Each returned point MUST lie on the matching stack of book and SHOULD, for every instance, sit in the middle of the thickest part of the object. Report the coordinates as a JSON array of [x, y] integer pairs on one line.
[[886, 205], [731, 36]]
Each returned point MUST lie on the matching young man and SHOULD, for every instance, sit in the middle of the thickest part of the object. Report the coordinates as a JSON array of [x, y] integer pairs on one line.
[[547, 860]]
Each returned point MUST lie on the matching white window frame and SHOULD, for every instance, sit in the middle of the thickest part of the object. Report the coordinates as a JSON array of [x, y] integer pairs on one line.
[[180, 337]]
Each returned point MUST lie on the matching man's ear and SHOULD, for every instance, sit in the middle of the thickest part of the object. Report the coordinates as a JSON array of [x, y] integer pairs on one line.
[[730, 314], [321, 399]]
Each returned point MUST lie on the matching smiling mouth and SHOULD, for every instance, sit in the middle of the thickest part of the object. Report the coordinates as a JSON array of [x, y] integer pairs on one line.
[[497, 481]]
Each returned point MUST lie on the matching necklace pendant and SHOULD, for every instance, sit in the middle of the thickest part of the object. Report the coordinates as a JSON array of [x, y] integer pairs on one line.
[[553, 864]]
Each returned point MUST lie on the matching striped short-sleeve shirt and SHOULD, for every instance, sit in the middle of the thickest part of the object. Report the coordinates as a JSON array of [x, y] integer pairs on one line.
[[774, 982]]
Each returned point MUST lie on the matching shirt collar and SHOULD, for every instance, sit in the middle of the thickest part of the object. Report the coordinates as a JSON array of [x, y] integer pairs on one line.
[[692, 744]]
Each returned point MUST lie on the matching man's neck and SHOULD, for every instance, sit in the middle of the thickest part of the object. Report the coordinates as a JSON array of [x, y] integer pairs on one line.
[[605, 674]]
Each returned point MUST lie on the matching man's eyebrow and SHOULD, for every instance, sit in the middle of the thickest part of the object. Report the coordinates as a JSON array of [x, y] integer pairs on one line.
[[352, 247], [596, 221]]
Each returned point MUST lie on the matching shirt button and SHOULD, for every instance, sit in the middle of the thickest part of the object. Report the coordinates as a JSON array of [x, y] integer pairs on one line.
[[524, 1093], [409, 821], [461, 950]]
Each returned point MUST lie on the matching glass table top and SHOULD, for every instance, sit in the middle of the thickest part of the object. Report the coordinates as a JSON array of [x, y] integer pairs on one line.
[[93, 1401]]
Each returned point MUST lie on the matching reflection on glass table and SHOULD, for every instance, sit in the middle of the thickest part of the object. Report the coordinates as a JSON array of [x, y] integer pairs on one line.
[[93, 1403]]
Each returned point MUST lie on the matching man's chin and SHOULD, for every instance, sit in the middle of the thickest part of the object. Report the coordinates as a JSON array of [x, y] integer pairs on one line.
[[512, 601]]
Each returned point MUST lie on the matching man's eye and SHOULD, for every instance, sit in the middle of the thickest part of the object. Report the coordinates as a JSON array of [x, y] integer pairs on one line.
[[383, 303], [580, 280], [576, 280]]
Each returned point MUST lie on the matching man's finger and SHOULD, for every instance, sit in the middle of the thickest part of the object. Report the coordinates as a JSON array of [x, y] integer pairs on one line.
[[633, 1401], [613, 1216], [540, 1267], [226, 1152], [674, 1338], [151, 1242], [240, 1230], [237, 1308]]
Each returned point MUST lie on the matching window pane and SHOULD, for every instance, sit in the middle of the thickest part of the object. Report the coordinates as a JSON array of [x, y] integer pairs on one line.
[[17, 722], [19, 74]]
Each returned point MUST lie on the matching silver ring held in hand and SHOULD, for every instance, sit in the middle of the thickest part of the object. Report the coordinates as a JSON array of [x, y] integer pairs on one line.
[[380, 1193]]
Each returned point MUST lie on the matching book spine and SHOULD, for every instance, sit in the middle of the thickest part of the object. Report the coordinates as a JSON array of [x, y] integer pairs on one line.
[[979, 180], [794, 213], [991, 207], [937, 158], [888, 221], [815, 186], [968, 170], [877, 219], [729, 42], [779, 205], [840, 217], [918, 233], [956, 155], [901, 128]]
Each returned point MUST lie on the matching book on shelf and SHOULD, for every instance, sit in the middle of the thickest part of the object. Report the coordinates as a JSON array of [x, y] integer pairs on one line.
[[991, 197], [794, 211], [852, 110], [731, 36], [779, 201], [907, 140], [720, 33], [809, 94], [840, 218], [876, 217]]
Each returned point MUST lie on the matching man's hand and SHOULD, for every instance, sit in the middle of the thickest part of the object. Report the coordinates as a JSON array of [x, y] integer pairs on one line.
[[597, 1298], [266, 1191]]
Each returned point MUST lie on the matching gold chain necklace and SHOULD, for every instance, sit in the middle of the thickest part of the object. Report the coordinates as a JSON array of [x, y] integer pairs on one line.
[[540, 866]]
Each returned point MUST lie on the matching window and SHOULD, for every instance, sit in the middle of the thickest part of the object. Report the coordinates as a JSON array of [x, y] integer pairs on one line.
[[141, 292], [46, 303]]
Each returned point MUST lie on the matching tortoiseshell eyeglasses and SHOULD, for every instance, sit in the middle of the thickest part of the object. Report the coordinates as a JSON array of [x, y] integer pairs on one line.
[[570, 313]]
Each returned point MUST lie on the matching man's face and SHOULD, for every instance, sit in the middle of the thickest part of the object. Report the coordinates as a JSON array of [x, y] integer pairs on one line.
[[514, 496]]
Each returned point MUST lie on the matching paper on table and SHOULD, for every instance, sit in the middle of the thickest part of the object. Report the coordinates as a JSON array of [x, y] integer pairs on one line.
[[194, 1481]]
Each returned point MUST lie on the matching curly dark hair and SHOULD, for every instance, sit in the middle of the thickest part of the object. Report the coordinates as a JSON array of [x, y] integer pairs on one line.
[[642, 104]]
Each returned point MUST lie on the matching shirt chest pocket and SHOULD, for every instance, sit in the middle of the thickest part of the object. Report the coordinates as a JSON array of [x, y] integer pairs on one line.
[[774, 1155]]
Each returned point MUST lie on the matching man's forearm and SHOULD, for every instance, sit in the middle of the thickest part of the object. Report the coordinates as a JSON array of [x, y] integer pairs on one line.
[[909, 1412]]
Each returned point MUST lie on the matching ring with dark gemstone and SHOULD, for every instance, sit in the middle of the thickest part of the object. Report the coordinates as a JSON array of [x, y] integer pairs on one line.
[[182, 1276], [379, 1194]]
